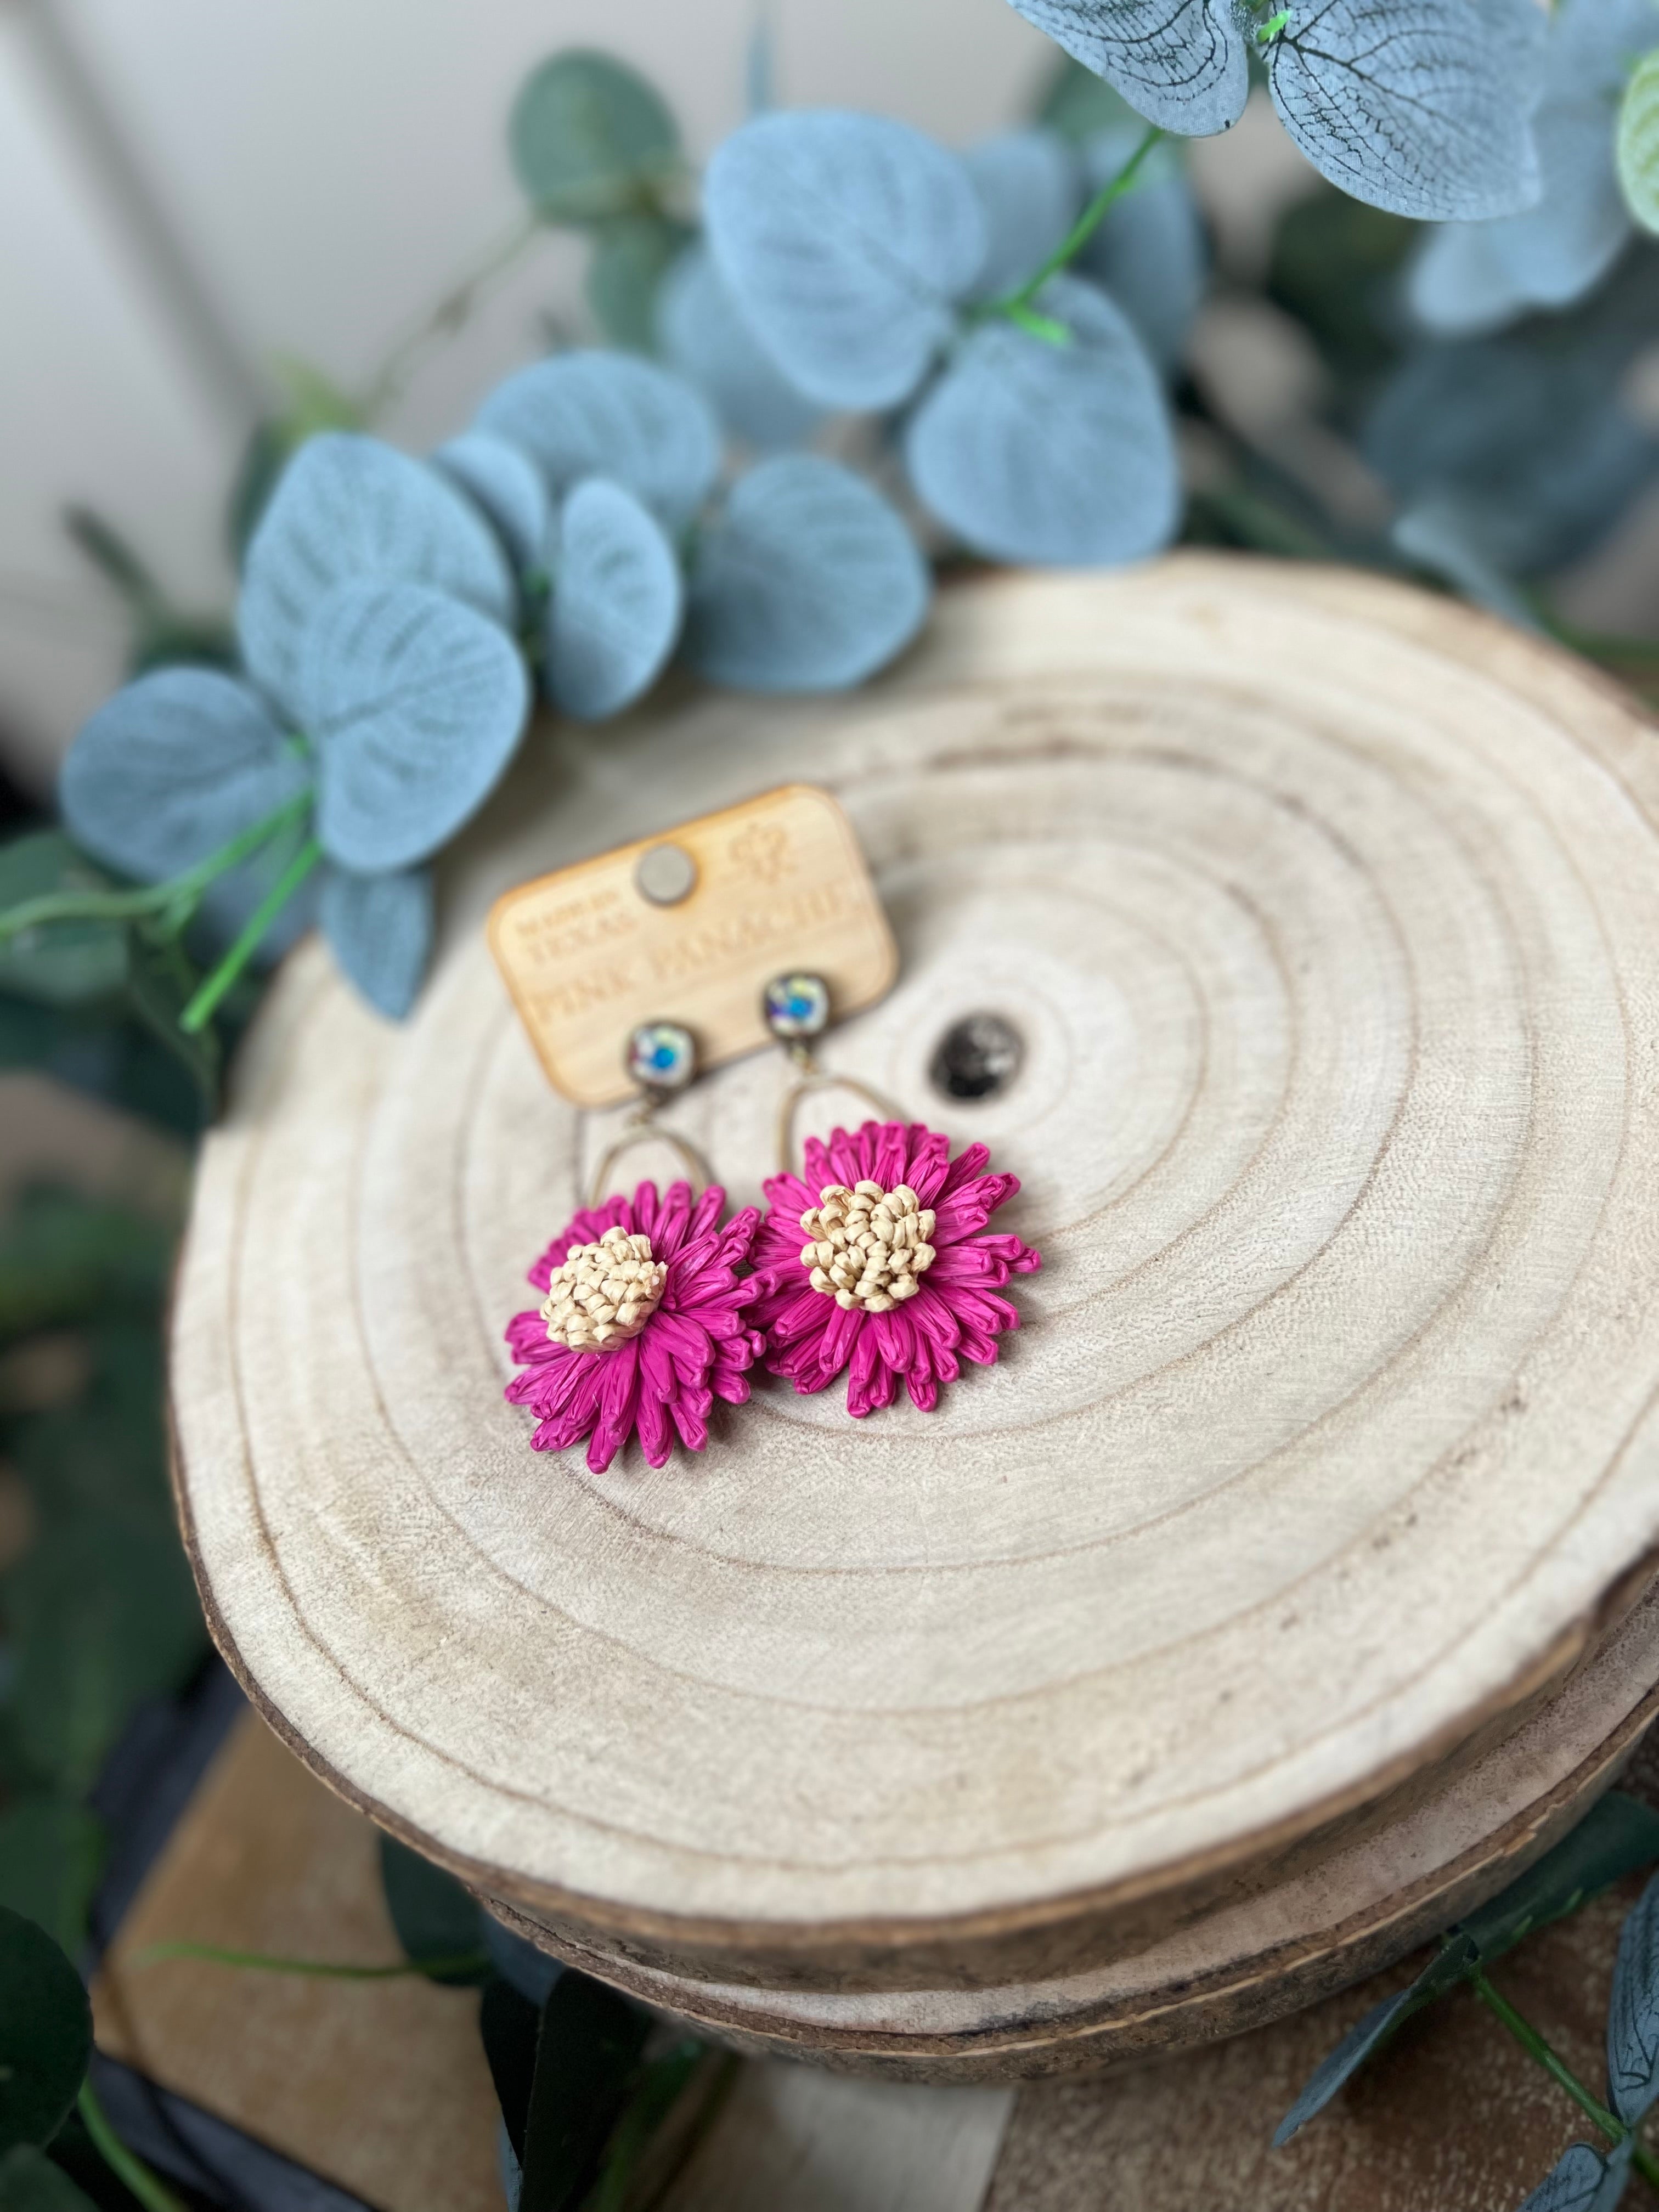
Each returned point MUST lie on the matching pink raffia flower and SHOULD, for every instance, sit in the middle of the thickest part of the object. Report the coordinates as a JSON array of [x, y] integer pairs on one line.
[[877, 1262], [643, 1328]]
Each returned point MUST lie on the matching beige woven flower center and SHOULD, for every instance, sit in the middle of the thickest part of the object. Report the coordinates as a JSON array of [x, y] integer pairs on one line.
[[869, 1246], [605, 1293]]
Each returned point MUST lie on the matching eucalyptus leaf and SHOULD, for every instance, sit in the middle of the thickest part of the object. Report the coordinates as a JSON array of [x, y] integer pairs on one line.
[[1638, 143], [436, 1916], [29, 2182], [351, 510], [1030, 190], [508, 485], [1633, 2013], [707, 340], [98, 1051], [1533, 443], [632, 254], [589, 135], [379, 930], [1078, 104], [50, 1852], [845, 240], [1616, 1837], [46, 2033], [1179, 63], [60, 964], [1474, 278], [808, 581], [171, 767], [415, 704], [616, 602], [590, 414], [1583, 2180], [1421, 106], [1148, 254], [1443, 537], [1037, 452], [1363, 2039], [589, 2045]]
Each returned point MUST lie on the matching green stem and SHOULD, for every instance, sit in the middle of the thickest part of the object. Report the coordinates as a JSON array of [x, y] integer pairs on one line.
[[265, 1962], [1533, 2043], [197, 1014], [144, 2185], [1082, 230], [182, 892]]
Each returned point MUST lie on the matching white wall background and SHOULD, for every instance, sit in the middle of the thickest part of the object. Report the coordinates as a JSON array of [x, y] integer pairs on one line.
[[188, 187]]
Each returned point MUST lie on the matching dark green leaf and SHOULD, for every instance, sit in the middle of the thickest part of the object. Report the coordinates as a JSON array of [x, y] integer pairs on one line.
[[509, 2024], [60, 964], [591, 139], [29, 2182], [589, 2045], [50, 1852], [1335, 265], [173, 639], [103, 1615], [1618, 1836], [434, 1917], [101, 1052], [660, 2088], [162, 980], [45, 2032], [63, 1257], [632, 254]]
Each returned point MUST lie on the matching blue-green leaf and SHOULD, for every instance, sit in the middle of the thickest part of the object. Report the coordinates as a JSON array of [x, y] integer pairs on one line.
[[415, 704], [1443, 536], [1474, 278], [508, 485], [1179, 63], [706, 339], [379, 930], [1421, 106], [1033, 451], [610, 414], [1531, 441], [171, 767], [349, 509], [614, 614], [587, 132], [1367, 2035], [808, 581], [1633, 2012], [1583, 2180], [1149, 253], [845, 239], [1030, 189], [631, 256]]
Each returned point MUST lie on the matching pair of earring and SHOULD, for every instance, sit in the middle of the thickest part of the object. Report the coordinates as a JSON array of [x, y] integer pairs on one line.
[[653, 1306]]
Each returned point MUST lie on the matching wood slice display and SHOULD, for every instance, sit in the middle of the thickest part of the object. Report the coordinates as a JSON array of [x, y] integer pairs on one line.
[[1311, 1497]]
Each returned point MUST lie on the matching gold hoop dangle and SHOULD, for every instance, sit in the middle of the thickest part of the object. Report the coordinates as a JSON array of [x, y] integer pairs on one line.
[[662, 1059], [797, 1008]]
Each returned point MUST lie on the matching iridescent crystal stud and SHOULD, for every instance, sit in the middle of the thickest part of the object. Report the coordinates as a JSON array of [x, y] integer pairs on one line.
[[662, 1058], [796, 1006]]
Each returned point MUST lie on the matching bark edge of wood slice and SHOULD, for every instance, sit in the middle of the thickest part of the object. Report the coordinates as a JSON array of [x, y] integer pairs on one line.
[[1329, 915]]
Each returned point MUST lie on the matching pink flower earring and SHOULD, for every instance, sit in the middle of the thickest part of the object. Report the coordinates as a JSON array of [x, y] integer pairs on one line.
[[642, 1325], [897, 1278]]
